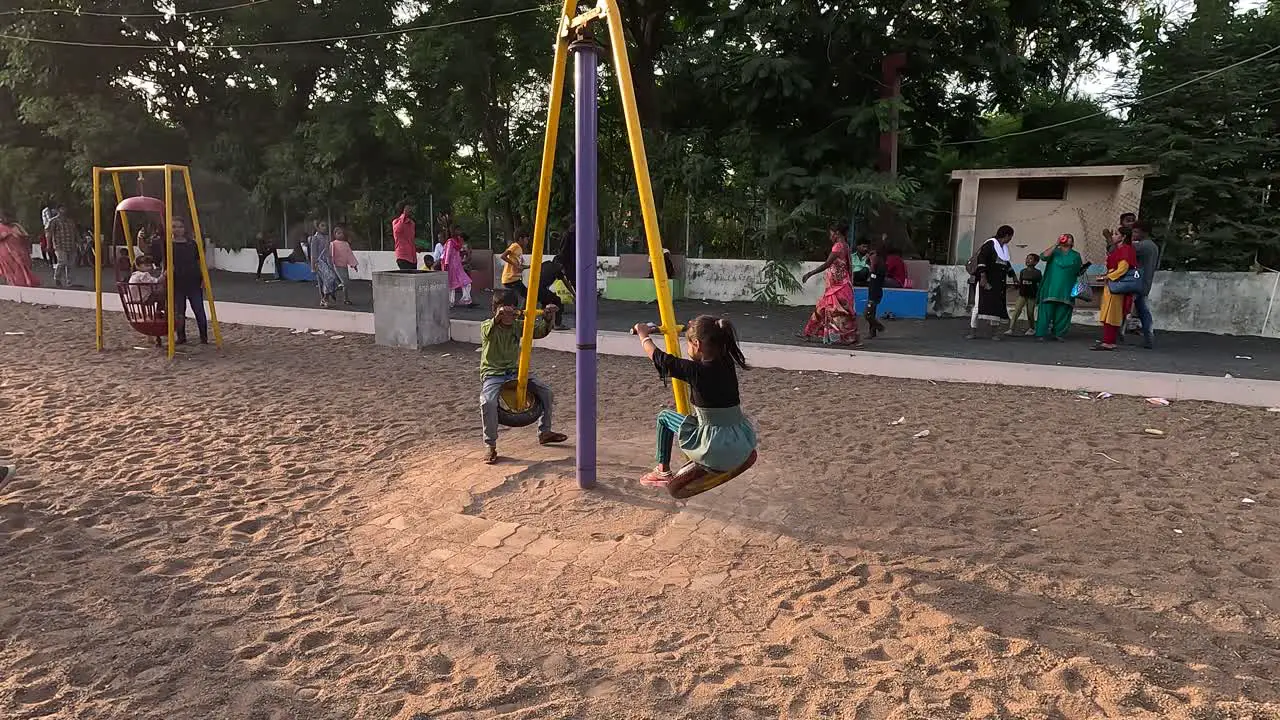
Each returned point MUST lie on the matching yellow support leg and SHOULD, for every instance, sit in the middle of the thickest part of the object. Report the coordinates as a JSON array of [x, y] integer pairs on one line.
[[97, 253], [204, 265], [648, 210], [170, 310], [544, 198]]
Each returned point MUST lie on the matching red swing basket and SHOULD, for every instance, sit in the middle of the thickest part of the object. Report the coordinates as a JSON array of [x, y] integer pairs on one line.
[[145, 317]]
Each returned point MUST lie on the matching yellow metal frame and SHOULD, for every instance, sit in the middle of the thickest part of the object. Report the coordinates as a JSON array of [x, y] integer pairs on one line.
[[570, 19], [197, 238]]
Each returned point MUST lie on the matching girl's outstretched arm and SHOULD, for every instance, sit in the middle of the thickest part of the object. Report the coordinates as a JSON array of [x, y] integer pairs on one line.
[[643, 330]]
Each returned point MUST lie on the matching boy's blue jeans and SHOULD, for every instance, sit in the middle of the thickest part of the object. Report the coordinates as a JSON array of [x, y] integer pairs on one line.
[[1143, 308], [491, 387]]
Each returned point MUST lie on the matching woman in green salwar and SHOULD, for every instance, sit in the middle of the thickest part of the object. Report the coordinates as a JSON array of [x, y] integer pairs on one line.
[[1063, 266]]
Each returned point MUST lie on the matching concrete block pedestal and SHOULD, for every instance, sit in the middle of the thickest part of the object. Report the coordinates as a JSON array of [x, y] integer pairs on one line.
[[410, 308]]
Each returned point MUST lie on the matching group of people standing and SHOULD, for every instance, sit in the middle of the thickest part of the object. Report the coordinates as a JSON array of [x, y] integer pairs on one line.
[[1048, 297], [835, 319]]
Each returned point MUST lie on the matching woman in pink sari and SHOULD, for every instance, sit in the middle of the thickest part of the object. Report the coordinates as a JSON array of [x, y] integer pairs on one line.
[[15, 253], [834, 321], [454, 266]]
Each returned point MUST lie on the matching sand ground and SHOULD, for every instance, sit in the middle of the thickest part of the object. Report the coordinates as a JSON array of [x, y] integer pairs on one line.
[[299, 527]]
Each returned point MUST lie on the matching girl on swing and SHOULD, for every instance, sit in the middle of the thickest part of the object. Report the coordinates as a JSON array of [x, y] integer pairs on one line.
[[717, 435]]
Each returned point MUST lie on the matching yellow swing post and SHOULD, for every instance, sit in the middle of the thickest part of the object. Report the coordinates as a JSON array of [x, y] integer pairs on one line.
[[607, 9], [544, 199], [644, 187], [204, 266], [170, 310], [97, 254]]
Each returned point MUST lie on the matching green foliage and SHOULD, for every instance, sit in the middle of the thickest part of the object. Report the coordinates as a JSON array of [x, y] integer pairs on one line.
[[761, 120], [1217, 143], [777, 282]]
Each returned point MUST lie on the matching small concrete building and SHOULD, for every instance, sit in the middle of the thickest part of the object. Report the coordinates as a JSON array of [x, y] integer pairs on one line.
[[1042, 203]]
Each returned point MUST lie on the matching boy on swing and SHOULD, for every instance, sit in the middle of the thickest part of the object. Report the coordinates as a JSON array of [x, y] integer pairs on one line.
[[499, 364]]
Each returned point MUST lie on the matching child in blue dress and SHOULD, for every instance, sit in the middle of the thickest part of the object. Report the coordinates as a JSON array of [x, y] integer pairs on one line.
[[717, 435]]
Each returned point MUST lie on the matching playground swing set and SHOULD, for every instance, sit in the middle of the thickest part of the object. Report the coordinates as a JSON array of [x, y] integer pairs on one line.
[[518, 407], [146, 316]]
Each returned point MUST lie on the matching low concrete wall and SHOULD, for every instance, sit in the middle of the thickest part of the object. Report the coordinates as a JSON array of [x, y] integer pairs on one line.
[[1224, 303], [1219, 303]]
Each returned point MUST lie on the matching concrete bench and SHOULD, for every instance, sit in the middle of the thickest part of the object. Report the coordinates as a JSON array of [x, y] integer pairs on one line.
[[634, 284], [482, 270], [296, 271], [911, 304]]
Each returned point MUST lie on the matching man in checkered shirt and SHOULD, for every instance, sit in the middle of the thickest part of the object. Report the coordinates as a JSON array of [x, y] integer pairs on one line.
[[61, 231]]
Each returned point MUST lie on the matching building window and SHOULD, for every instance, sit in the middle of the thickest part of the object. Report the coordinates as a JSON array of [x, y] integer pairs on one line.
[[1042, 189]]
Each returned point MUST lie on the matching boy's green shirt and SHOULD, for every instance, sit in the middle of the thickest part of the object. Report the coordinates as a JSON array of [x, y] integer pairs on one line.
[[500, 345]]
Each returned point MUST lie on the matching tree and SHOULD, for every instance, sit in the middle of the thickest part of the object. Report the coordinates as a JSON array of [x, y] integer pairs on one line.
[[1216, 142]]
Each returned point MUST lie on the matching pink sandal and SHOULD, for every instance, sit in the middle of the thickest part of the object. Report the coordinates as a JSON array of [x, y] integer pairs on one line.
[[656, 479]]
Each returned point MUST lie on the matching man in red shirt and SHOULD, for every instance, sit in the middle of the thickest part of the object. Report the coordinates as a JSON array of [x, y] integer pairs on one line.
[[895, 269], [404, 232]]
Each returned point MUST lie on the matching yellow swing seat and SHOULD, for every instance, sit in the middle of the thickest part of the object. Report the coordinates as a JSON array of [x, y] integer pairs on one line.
[[694, 479]]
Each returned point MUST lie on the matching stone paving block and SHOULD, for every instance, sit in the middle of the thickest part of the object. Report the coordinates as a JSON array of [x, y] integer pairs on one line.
[[519, 571], [461, 528], [686, 519], [710, 527], [773, 514], [465, 558], [493, 537], [541, 547], [403, 541], [708, 582], [547, 571], [566, 551], [522, 538], [595, 554], [440, 555], [671, 539], [493, 561], [674, 574]]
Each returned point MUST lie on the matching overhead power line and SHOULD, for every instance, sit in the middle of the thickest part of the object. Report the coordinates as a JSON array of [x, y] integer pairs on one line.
[[1082, 118], [100, 13], [278, 43]]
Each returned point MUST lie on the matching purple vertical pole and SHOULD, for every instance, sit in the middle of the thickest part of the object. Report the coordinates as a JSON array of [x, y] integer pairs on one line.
[[586, 59]]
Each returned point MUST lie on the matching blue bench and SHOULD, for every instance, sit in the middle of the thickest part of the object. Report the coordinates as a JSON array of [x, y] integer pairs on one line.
[[296, 272], [911, 304]]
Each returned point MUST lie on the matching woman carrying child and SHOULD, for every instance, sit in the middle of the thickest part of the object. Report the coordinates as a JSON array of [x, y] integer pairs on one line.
[[322, 266], [717, 436]]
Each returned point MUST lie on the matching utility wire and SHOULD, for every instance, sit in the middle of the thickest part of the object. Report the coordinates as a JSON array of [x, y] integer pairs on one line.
[[278, 43], [1135, 101], [125, 16]]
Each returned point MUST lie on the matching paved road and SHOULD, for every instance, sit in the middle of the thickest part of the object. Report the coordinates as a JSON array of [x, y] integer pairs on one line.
[[1186, 353]]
